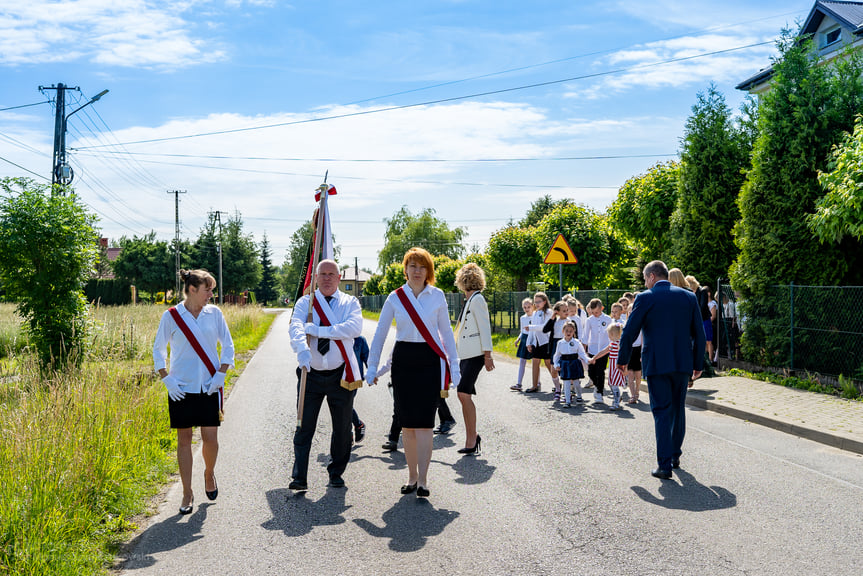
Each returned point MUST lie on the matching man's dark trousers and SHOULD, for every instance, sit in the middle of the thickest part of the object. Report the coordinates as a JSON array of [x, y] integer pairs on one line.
[[319, 385], [668, 403]]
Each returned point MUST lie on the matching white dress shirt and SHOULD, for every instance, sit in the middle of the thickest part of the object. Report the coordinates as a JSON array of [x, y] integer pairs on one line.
[[597, 333], [347, 324], [535, 336], [434, 306], [186, 366]]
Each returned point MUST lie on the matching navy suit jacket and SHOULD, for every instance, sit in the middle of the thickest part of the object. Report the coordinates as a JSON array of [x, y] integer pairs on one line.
[[673, 331]]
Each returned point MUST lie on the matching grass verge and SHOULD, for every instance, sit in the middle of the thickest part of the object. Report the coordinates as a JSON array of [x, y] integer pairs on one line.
[[82, 453]]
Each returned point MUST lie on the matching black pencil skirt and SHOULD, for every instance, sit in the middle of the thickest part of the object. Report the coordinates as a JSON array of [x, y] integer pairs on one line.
[[194, 410], [416, 379]]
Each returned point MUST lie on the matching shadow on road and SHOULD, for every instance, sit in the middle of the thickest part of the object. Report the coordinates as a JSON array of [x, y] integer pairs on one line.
[[296, 515], [169, 534], [688, 495], [409, 523], [472, 470]]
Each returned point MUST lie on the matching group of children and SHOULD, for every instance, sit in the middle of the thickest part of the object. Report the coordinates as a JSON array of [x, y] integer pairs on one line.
[[572, 341]]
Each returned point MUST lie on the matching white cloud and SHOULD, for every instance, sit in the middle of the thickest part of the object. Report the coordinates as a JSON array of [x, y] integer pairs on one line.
[[128, 33], [681, 64]]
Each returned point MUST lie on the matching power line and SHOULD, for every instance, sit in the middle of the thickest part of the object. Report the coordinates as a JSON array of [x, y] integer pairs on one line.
[[445, 100], [378, 179], [411, 160], [25, 105], [24, 169], [692, 33]]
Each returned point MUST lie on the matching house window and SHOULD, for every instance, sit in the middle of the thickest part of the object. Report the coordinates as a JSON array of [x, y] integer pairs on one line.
[[349, 287], [831, 36]]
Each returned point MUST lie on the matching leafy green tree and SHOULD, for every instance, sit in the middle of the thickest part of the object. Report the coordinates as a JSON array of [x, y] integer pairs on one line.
[[712, 159], [804, 114], [839, 212], [406, 230], [372, 286], [146, 263], [241, 267], [598, 250], [292, 268], [444, 271], [266, 290], [393, 277], [513, 250], [48, 248], [643, 207], [809, 106], [540, 208]]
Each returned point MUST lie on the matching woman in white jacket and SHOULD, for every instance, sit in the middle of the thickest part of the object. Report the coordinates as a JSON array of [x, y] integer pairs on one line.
[[473, 343]]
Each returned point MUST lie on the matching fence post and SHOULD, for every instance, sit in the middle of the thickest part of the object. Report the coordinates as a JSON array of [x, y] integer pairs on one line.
[[606, 298], [791, 292]]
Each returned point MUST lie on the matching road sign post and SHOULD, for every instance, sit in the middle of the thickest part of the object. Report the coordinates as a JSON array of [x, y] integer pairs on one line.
[[560, 253]]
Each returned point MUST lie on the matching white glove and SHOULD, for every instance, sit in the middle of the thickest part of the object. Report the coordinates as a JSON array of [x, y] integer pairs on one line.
[[173, 386], [304, 359], [312, 329], [371, 375], [216, 382]]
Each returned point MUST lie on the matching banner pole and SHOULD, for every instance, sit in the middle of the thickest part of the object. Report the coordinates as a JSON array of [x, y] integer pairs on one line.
[[316, 255]]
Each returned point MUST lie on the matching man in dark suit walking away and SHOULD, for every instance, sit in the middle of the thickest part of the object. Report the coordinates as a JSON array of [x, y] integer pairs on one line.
[[672, 353]]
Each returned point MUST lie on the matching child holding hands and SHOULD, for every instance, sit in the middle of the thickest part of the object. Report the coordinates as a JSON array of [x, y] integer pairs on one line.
[[568, 358], [616, 378]]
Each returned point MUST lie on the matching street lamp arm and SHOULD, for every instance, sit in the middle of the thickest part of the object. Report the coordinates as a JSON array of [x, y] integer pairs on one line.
[[93, 99]]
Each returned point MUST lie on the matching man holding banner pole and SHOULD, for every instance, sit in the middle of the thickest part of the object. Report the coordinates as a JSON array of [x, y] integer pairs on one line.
[[325, 351]]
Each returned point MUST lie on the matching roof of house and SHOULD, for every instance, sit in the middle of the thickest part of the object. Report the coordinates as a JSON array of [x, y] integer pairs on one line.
[[848, 14], [350, 274]]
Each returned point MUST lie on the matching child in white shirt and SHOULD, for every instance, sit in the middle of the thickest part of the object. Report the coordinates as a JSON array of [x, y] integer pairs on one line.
[[568, 358], [596, 339]]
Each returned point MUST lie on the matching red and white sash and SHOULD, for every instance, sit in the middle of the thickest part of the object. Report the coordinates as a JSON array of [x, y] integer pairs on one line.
[[189, 333], [351, 376], [407, 299]]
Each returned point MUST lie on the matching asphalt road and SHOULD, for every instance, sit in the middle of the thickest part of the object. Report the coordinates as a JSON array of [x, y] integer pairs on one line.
[[555, 492]]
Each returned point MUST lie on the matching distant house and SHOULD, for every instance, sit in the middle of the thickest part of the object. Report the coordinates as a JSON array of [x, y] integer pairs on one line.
[[104, 270], [832, 25], [353, 280]]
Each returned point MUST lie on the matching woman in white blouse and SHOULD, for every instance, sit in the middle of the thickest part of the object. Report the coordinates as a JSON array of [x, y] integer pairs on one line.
[[194, 396], [418, 368]]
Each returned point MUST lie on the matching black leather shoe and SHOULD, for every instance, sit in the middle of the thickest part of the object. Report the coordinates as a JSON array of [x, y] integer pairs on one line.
[[187, 509], [423, 492], [675, 463], [212, 494], [337, 482], [409, 488], [445, 427], [660, 473], [298, 485], [390, 446]]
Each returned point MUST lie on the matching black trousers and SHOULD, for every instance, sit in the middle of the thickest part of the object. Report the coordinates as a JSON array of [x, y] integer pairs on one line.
[[321, 385], [596, 373]]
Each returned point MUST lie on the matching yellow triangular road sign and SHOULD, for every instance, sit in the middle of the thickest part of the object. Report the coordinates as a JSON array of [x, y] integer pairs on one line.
[[560, 252]]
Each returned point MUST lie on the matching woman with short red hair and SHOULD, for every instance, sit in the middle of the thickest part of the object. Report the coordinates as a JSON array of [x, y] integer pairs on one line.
[[423, 364]]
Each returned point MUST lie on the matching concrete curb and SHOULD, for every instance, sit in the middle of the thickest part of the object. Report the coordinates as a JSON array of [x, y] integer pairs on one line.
[[820, 436]]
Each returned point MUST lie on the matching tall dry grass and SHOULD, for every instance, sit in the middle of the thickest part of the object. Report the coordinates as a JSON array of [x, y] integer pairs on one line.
[[82, 452]]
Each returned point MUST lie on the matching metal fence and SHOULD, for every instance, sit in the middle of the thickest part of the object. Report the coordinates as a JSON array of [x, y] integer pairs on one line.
[[505, 307], [796, 328]]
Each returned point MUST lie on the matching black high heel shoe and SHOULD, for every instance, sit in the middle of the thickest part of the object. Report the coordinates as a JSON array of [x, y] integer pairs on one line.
[[409, 488], [187, 509], [476, 450], [212, 494]]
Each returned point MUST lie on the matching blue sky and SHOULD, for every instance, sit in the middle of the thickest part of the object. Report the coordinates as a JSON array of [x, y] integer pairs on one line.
[[177, 69]]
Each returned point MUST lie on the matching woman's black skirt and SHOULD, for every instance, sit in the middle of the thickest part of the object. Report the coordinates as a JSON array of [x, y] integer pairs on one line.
[[541, 352], [194, 410], [635, 359], [416, 379]]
